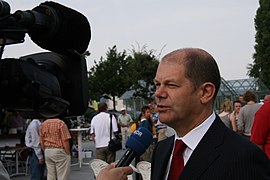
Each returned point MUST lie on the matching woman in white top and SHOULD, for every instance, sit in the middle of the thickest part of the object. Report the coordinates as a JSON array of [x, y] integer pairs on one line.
[[225, 112]]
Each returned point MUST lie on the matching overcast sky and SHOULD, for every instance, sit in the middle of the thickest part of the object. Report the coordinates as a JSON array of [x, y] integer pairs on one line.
[[224, 28]]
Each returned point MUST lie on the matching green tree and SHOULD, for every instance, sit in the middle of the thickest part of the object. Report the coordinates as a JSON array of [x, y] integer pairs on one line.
[[108, 76], [260, 67], [119, 73], [143, 67]]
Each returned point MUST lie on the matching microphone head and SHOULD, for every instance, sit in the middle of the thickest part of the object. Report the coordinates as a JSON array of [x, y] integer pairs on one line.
[[140, 140]]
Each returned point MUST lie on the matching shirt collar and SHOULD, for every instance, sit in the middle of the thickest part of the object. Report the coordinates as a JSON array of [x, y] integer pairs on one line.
[[192, 138], [143, 119]]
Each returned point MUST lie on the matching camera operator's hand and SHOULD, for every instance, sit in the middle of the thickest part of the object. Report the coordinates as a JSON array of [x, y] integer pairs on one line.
[[112, 173]]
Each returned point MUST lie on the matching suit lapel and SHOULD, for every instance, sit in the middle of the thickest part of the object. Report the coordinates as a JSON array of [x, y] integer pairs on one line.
[[205, 152], [161, 156]]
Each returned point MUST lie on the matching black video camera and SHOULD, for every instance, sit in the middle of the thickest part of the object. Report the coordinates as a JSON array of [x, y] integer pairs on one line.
[[48, 84]]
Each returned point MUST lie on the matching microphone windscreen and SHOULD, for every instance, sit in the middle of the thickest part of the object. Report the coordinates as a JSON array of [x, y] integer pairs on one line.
[[69, 29], [140, 140]]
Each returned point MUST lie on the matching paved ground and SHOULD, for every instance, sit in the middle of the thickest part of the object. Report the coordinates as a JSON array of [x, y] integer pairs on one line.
[[83, 173]]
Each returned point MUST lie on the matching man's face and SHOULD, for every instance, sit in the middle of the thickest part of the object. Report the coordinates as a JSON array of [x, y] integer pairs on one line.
[[241, 98], [266, 98], [176, 98]]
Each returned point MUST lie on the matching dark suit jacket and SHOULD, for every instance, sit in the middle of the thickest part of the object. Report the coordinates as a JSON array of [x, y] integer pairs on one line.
[[221, 154]]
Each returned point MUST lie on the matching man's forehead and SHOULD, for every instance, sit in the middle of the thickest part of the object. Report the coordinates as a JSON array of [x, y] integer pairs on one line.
[[168, 66], [169, 73], [177, 57]]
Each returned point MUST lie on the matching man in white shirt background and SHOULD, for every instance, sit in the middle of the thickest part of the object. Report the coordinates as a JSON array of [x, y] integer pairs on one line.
[[32, 140], [100, 132]]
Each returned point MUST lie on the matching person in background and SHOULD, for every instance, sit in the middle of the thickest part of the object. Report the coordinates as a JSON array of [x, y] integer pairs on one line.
[[247, 114], [3, 122], [162, 130], [36, 157], [260, 132], [68, 122], [241, 99], [146, 122], [225, 113], [54, 139], [145, 118], [124, 121], [154, 119], [266, 98], [100, 132], [187, 82], [235, 114], [15, 121]]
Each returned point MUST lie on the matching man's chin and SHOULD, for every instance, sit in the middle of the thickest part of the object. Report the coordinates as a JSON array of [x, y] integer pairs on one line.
[[164, 118]]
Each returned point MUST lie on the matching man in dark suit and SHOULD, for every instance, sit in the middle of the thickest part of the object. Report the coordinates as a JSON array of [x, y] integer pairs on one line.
[[187, 82]]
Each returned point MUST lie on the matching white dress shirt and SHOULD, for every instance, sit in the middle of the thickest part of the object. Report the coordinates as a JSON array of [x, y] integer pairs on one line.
[[32, 138], [192, 139]]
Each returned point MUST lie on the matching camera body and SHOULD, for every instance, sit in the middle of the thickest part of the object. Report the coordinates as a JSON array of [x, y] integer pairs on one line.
[[48, 84]]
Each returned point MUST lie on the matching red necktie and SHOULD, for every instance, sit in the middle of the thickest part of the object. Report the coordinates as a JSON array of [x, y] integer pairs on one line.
[[177, 164]]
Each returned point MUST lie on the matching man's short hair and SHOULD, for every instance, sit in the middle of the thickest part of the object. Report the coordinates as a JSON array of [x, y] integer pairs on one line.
[[237, 101], [102, 107], [200, 67]]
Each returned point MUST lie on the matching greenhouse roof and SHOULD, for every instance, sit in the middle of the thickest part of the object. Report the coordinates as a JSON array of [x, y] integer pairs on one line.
[[229, 88]]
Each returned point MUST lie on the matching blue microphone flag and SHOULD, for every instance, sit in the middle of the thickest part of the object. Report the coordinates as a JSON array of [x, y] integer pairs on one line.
[[140, 140]]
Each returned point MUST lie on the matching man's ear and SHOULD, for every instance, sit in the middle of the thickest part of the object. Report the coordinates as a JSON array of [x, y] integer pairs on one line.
[[207, 92]]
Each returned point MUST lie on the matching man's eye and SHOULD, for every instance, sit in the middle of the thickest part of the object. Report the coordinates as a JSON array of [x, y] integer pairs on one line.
[[172, 85]]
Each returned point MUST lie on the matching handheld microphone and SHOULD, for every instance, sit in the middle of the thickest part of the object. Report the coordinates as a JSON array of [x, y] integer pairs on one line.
[[136, 145], [55, 27]]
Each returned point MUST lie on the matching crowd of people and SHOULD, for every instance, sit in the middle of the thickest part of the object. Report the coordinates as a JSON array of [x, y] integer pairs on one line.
[[248, 118], [48, 143], [49, 140], [100, 130]]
